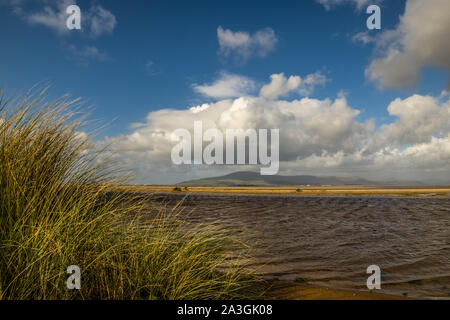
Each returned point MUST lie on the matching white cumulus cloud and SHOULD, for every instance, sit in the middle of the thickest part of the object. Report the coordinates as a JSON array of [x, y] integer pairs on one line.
[[226, 86], [420, 40], [244, 44], [281, 86]]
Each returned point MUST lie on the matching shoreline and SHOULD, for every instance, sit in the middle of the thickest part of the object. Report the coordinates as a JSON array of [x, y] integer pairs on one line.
[[399, 191], [285, 290]]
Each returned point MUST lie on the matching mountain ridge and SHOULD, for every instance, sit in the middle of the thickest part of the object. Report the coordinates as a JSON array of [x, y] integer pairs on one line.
[[248, 178]]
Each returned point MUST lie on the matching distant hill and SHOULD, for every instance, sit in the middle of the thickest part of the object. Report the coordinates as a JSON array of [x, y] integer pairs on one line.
[[246, 178]]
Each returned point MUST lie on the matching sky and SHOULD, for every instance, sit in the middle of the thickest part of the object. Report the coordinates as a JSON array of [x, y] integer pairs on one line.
[[348, 101]]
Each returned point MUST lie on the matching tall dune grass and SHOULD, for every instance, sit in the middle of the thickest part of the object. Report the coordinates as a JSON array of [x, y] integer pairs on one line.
[[57, 210]]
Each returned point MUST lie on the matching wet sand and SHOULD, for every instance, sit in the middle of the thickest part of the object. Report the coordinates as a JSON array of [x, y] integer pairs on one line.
[[292, 291]]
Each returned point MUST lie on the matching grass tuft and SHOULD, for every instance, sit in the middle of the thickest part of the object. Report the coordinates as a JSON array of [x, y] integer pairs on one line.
[[57, 209]]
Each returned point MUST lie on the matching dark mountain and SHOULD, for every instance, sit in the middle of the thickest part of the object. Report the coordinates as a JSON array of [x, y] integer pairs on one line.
[[245, 178]]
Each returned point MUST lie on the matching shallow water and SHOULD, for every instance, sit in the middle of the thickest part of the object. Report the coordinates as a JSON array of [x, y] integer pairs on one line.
[[331, 240]]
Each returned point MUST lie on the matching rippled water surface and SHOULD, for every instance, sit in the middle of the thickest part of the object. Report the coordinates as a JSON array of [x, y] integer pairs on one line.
[[332, 240]]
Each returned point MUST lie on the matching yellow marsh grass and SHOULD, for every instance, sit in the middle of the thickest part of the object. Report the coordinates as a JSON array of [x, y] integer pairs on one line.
[[304, 190], [55, 211]]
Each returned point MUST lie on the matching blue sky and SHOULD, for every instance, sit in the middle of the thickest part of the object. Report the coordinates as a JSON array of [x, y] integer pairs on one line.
[[179, 40], [150, 55]]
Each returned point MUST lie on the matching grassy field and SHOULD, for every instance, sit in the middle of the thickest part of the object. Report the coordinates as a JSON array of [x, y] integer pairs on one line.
[[300, 190]]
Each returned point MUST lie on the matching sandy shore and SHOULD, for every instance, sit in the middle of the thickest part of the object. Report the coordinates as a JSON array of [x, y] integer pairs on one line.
[[290, 291], [302, 190]]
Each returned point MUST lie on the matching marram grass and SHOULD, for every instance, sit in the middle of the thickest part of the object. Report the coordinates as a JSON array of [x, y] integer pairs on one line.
[[57, 209]]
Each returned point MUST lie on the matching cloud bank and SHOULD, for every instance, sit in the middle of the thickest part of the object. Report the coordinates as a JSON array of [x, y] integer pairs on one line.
[[316, 136]]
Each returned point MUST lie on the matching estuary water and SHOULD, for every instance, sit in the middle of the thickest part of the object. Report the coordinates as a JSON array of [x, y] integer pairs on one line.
[[331, 240]]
